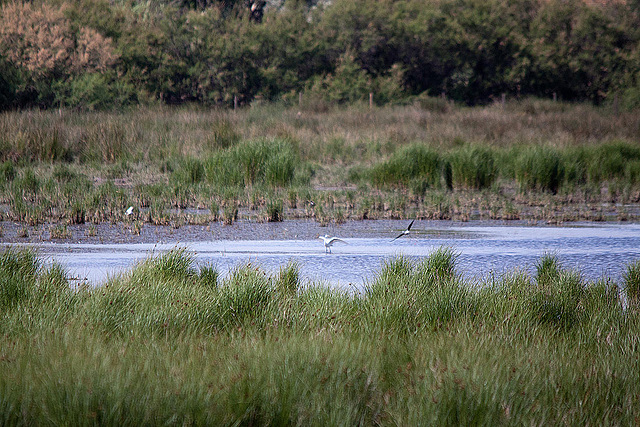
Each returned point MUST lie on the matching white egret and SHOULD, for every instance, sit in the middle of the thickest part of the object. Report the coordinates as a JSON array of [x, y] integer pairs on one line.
[[129, 211], [405, 232], [328, 241]]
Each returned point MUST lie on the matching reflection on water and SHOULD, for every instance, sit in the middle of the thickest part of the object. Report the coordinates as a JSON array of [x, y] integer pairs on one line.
[[595, 250]]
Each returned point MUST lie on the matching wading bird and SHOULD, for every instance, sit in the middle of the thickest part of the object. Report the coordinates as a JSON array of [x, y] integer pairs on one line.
[[328, 241], [405, 232], [129, 211]]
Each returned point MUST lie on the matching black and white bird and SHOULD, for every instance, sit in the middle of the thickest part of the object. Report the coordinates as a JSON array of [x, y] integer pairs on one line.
[[405, 232], [329, 241]]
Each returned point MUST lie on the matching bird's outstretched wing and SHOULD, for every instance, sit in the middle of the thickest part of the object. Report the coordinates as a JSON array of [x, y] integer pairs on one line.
[[405, 232], [335, 239]]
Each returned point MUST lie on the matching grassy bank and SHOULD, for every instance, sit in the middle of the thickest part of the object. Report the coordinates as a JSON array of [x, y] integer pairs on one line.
[[170, 343], [529, 159]]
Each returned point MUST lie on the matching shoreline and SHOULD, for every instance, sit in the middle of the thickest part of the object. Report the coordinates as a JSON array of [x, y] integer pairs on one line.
[[129, 232]]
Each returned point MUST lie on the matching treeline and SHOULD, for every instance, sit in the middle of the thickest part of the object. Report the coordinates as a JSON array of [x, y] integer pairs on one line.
[[98, 54]]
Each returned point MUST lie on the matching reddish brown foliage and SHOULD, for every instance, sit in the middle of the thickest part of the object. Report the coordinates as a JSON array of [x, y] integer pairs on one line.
[[40, 39]]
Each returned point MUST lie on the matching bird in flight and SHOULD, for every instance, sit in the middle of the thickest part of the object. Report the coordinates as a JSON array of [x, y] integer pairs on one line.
[[405, 232], [328, 241]]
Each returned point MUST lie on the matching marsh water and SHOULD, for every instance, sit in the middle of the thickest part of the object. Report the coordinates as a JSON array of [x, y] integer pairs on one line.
[[483, 248]]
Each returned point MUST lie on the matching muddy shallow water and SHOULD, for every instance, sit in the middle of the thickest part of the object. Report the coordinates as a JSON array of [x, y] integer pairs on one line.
[[94, 252]]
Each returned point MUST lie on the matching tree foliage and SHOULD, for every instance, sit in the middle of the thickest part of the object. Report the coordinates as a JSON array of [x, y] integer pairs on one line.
[[46, 49], [102, 54]]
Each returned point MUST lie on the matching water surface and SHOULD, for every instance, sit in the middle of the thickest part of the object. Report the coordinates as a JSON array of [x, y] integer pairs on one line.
[[596, 250]]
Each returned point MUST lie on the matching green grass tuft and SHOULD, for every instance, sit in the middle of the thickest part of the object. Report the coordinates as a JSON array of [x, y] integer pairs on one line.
[[539, 168], [632, 283], [288, 280], [244, 296], [209, 276], [190, 171], [548, 269], [409, 163], [175, 265], [18, 273], [473, 167], [7, 171], [165, 343]]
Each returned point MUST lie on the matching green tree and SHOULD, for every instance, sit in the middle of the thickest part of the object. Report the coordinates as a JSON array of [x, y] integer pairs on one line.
[[490, 54], [578, 51], [429, 48], [213, 59], [365, 30], [290, 53], [348, 83]]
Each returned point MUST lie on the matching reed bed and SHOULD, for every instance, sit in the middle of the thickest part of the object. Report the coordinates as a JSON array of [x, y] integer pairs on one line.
[[170, 342], [417, 160]]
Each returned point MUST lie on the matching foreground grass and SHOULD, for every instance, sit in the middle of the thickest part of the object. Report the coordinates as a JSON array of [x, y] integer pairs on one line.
[[528, 159], [168, 343]]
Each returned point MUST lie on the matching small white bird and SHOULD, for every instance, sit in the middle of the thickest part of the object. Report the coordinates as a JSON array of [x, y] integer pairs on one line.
[[328, 241], [129, 211], [405, 232]]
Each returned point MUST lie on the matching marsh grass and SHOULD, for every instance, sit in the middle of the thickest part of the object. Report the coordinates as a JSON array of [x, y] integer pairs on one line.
[[7, 171], [539, 168], [288, 281], [408, 164], [632, 283], [59, 232], [167, 342], [190, 171], [275, 211], [548, 270], [473, 167], [17, 276], [407, 296], [56, 166], [558, 301], [23, 232], [253, 163], [208, 275], [214, 209], [230, 213], [223, 134]]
